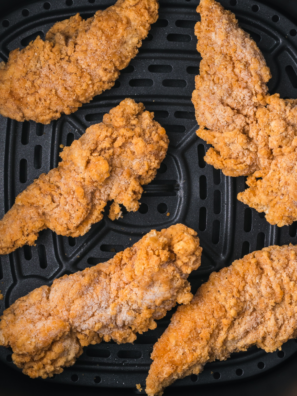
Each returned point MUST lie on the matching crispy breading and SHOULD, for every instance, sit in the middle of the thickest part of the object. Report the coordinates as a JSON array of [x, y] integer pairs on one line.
[[230, 88], [48, 328], [252, 302], [78, 60], [251, 131], [109, 162]]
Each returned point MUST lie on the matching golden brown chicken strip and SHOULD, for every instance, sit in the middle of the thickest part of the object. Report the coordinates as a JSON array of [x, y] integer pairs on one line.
[[48, 328], [252, 133], [109, 162], [78, 60], [252, 302], [230, 88]]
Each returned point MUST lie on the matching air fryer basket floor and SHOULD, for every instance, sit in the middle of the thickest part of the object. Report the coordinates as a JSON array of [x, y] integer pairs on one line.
[[185, 190]]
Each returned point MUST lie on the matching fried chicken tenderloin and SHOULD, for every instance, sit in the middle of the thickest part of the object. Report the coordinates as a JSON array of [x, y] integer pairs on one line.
[[229, 90], [253, 133], [252, 302], [78, 60], [48, 328], [110, 162]]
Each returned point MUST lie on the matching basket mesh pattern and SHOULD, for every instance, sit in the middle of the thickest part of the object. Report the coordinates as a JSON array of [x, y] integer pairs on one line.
[[185, 190]]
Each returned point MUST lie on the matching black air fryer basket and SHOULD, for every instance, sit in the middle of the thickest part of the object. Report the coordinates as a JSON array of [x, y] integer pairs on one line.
[[186, 190]]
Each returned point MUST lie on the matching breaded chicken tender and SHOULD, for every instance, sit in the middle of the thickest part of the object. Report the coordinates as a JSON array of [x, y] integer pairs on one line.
[[229, 90], [48, 328], [78, 60], [111, 161], [253, 134], [252, 302]]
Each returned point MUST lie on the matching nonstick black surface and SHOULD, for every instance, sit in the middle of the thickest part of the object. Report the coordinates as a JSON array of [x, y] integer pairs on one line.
[[161, 76]]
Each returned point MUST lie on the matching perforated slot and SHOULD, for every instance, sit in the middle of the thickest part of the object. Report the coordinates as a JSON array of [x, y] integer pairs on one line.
[[70, 139], [23, 170], [161, 188], [141, 82], [96, 117], [25, 133], [95, 352], [179, 38], [111, 248], [160, 68], [27, 252], [37, 157], [129, 354], [202, 219], [201, 154], [293, 230], [42, 256], [185, 24], [216, 176], [203, 187], [260, 241], [93, 260], [217, 202], [1, 271], [71, 241], [185, 115]]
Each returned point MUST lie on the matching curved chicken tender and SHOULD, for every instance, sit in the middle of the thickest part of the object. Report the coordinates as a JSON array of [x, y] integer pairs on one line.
[[252, 302], [109, 162], [252, 133], [114, 300], [230, 88], [78, 60]]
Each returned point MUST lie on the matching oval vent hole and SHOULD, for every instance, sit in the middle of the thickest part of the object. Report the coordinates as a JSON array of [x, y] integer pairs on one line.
[[179, 38], [293, 229], [112, 248], [70, 139], [101, 353], [25, 133], [23, 170], [27, 252], [216, 175], [203, 187], [128, 69], [1, 271], [71, 241], [260, 241], [160, 68], [98, 117], [42, 256], [141, 82], [185, 115], [129, 354], [201, 154], [161, 114], [38, 157], [217, 202], [202, 219], [185, 24]]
